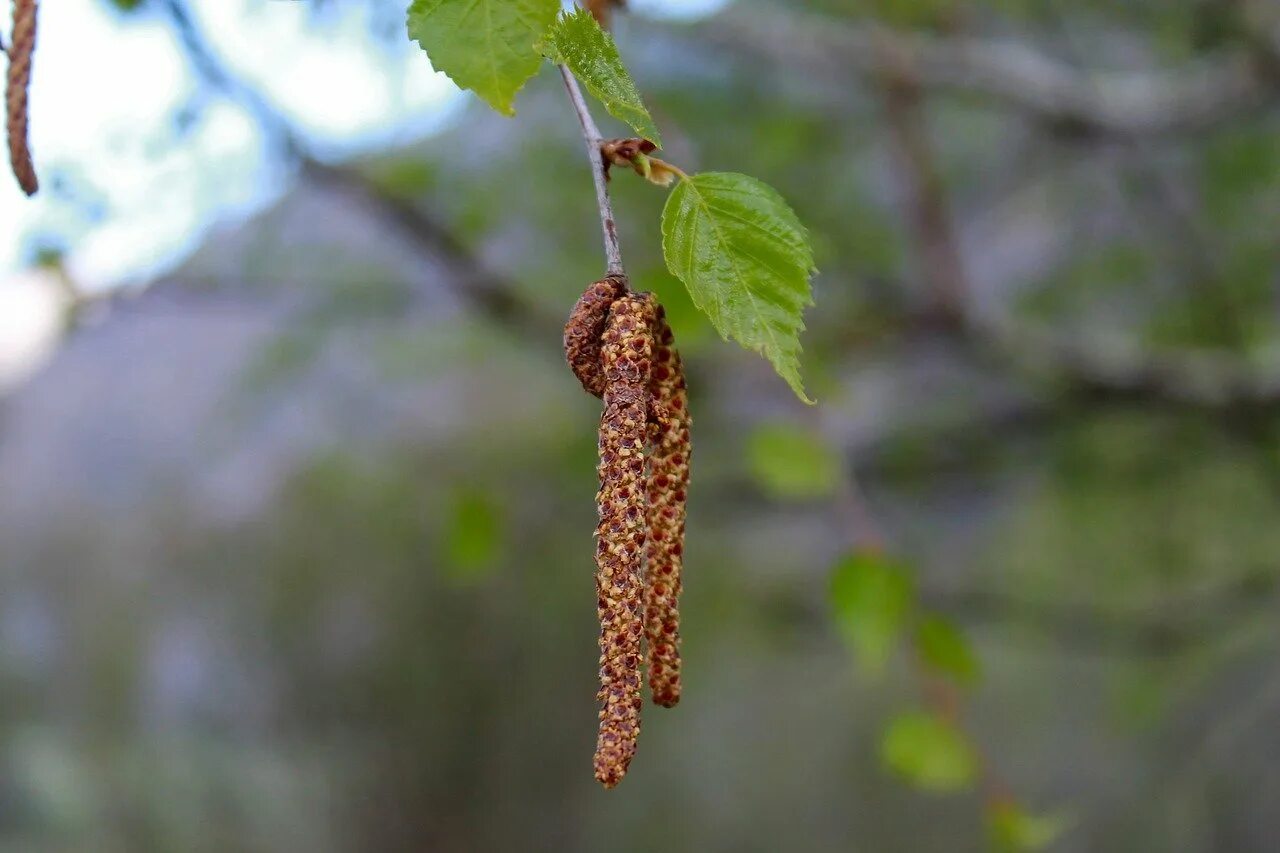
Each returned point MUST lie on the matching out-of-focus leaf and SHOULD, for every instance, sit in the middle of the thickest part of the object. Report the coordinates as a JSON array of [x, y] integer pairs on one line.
[[945, 648], [486, 46], [928, 752], [1013, 830], [576, 40], [792, 463], [474, 535], [746, 260], [872, 598]]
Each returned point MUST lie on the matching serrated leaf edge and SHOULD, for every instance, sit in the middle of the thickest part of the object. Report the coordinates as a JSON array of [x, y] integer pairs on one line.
[[793, 363]]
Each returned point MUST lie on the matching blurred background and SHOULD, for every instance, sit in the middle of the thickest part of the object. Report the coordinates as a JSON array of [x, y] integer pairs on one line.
[[296, 498]]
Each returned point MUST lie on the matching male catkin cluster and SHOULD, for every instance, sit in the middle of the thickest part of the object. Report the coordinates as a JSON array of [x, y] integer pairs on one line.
[[620, 347]]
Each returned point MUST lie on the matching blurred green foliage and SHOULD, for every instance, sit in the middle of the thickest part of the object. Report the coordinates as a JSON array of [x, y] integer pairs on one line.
[[944, 647], [873, 597], [929, 752], [791, 463], [1013, 830], [474, 533]]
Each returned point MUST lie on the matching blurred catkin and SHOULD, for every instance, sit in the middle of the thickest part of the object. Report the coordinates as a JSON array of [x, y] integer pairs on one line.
[[626, 354], [667, 487], [585, 328], [21, 47]]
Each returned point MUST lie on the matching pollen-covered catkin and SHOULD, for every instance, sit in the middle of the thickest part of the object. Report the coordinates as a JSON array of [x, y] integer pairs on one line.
[[667, 487], [22, 45], [626, 352], [585, 328]]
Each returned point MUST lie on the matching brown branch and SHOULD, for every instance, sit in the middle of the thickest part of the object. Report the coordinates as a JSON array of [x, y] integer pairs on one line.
[[594, 141]]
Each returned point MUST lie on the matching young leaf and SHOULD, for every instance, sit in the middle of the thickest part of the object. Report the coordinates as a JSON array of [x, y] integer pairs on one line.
[[474, 534], [928, 752], [746, 260], [872, 598], [944, 647], [486, 46], [1013, 830], [792, 463], [576, 40]]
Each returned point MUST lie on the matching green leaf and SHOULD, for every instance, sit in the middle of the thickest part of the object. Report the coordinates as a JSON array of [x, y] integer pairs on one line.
[[792, 463], [474, 533], [872, 598], [746, 260], [1013, 830], [576, 40], [944, 647], [487, 46], [928, 752]]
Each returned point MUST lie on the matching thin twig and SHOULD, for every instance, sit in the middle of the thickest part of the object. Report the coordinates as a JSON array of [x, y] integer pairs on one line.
[[591, 133]]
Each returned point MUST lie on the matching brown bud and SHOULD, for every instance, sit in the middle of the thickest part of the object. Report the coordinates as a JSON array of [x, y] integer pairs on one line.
[[626, 352], [585, 328], [621, 152], [634, 154], [667, 488]]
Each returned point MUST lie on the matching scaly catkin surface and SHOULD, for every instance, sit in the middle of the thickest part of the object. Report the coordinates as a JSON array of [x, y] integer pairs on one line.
[[667, 487], [585, 328], [18, 81], [626, 353]]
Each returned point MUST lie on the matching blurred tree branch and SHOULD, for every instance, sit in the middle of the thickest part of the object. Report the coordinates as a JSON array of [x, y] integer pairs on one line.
[[491, 294], [1195, 97], [926, 199], [1209, 380], [494, 296]]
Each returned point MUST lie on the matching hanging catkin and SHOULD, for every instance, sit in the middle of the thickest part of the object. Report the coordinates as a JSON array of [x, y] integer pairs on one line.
[[21, 47], [667, 487], [626, 354], [585, 328]]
